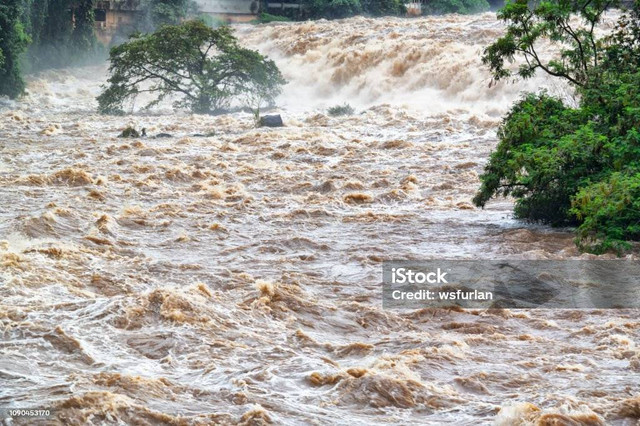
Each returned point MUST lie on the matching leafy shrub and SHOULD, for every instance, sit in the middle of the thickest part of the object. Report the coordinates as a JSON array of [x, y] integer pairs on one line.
[[339, 110], [167, 12], [13, 42], [464, 7], [211, 21], [334, 9], [265, 18], [610, 213], [541, 159], [383, 7], [571, 165]]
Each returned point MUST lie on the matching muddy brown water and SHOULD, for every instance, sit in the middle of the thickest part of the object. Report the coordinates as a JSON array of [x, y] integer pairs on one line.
[[235, 278]]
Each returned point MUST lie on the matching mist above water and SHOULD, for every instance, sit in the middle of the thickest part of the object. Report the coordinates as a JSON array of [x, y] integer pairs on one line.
[[430, 63]]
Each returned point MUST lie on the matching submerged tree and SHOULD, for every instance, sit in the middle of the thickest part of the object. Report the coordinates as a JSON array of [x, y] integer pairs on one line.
[[204, 68]]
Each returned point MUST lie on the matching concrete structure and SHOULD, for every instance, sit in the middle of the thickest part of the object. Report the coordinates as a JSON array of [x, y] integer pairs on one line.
[[113, 17], [230, 10]]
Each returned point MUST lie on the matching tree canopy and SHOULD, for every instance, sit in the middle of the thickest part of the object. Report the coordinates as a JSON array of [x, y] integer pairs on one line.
[[61, 32], [13, 41], [567, 165], [204, 69], [552, 20]]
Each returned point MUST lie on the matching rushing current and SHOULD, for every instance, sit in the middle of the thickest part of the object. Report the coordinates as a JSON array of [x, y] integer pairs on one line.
[[235, 277]]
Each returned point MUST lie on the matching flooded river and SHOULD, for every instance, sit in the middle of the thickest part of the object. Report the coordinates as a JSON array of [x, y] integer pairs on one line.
[[232, 275]]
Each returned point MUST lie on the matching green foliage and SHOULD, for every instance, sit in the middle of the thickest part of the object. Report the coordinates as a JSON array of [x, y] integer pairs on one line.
[[623, 46], [62, 32], [265, 18], [543, 155], [339, 110], [51, 26], [334, 9], [383, 7], [464, 7], [83, 38], [58, 34], [610, 213], [204, 68], [578, 165], [167, 12], [13, 41], [580, 49], [337, 9], [211, 21]]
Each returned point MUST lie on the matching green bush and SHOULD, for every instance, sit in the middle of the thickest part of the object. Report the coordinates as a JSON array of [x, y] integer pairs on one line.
[[265, 18], [578, 166], [13, 42], [574, 165], [334, 9], [464, 7], [610, 213], [211, 21], [167, 12], [383, 7], [541, 158], [339, 110]]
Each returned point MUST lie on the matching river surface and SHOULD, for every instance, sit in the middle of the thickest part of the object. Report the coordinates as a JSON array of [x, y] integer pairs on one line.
[[235, 278]]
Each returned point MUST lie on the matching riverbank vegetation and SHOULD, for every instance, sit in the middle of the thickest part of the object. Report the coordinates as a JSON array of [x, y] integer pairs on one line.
[[571, 165], [204, 68], [13, 41], [338, 9], [41, 34], [463, 7]]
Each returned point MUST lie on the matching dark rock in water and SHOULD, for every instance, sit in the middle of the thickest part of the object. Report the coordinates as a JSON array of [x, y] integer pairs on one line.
[[271, 121], [327, 186], [163, 135], [147, 152], [204, 135]]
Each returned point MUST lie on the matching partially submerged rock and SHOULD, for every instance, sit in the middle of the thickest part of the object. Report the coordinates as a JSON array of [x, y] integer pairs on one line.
[[271, 121]]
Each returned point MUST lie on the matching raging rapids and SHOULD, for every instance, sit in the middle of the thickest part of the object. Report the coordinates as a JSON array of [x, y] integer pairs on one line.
[[235, 278]]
